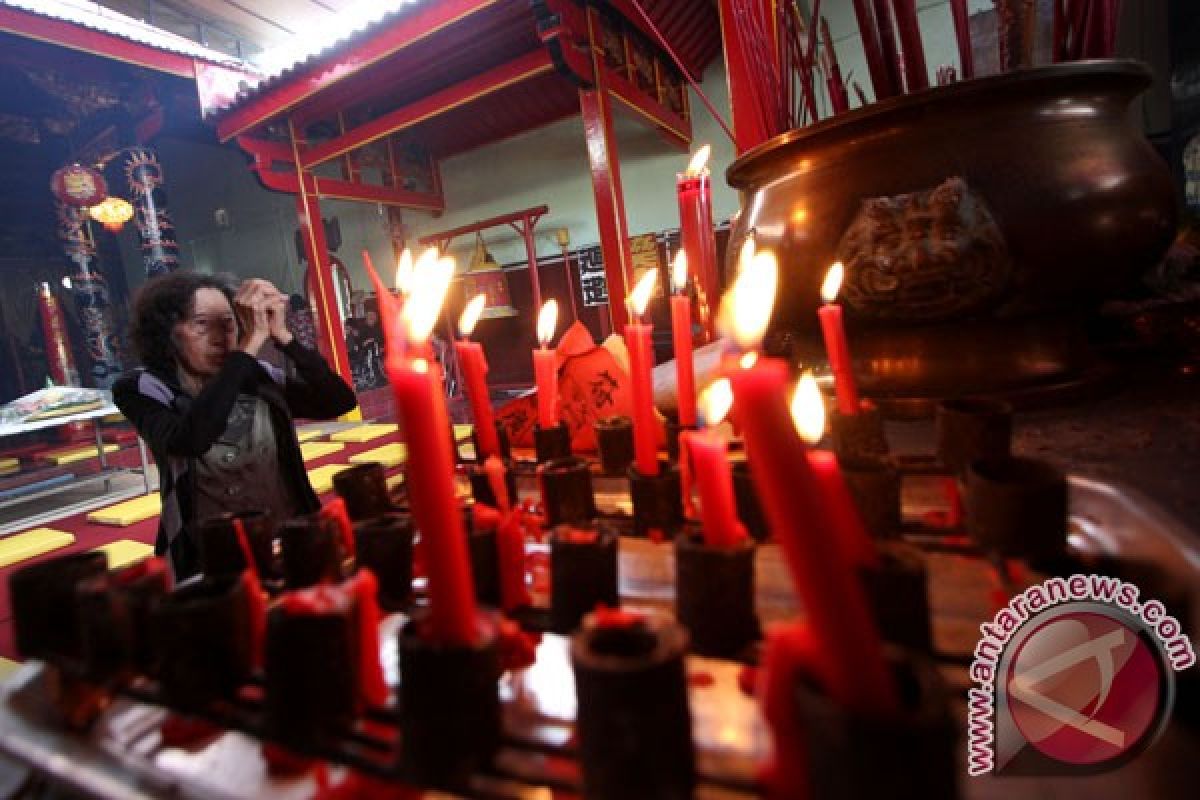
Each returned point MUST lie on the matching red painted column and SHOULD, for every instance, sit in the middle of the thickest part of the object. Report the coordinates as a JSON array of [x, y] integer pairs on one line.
[[610, 201], [749, 126]]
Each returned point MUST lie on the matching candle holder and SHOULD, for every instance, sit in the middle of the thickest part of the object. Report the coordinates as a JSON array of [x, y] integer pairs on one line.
[[674, 429], [312, 551], [614, 440], [897, 590], [485, 561], [567, 491], [583, 574], [311, 692], [875, 483], [910, 755], [364, 489], [633, 725], [1017, 507], [384, 545], [748, 507], [202, 635], [221, 552], [501, 436], [114, 619], [969, 428], [481, 487], [45, 615], [551, 443], [449, 705], [714, 595], [858, 435], [657, 501]]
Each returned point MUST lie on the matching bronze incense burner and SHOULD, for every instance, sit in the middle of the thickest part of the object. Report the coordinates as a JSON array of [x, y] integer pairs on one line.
[[978, 222]]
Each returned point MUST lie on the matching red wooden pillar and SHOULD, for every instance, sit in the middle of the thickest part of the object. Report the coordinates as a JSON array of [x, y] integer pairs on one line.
[[610, 200], [749, 126], [330, 333]]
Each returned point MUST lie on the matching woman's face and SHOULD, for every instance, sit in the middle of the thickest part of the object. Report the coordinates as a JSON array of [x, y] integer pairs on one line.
[[207, 335]]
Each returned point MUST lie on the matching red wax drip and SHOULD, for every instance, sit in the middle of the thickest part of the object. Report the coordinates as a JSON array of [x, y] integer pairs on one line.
[[698, 240], [335, 510], [850, 653], [838, 349], [605, 617], [496, 474], [518, 649], [848, 529], [685, 377], [256, 599], [484, 517], [510, 555], [417, 388], [645, 423], [686, 484], [578, 536], [708, 454], [374, 688], [475, 368], [790, 650]]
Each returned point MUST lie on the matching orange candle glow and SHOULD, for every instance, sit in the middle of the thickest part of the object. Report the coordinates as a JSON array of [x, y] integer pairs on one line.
[[641, 363], [545, 366], [834, 331]]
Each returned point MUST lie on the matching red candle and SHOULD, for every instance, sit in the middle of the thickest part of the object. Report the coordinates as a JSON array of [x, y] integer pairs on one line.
[[370, 671], [416, 386], [681, 336], [545, 367], [694, 190], [808, 415], [834, 332], [474, 368], [707, 455], [851, 663], [256, 598], [641, 363], [789, 652]]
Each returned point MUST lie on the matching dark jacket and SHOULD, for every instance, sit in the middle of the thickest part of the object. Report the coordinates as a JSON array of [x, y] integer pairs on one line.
[[179, 428]]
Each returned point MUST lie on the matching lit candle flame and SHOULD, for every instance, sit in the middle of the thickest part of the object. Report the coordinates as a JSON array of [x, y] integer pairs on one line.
[[716, 401], [679, 272], [404, 273], [699, 160], [547, 321], [833, 282], [746, 254], [431, 279], [641, 293], [748, 360], [751, 300], [808, 409], [470, 314]]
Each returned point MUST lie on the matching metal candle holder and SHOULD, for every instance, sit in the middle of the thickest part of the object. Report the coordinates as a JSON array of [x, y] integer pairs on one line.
[[384, 545], [970, 428], [1017, 507], [633, 724], [874, 484], [583, 574], [858, 435], [449, 706], [481, 487], [657, 501], [614, 441], [364, 489], [312, 551], [714, 595], [897, 590], [551, 443], [567, 491]]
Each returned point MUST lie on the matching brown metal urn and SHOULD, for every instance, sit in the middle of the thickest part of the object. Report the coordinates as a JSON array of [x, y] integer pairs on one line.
[[978, 223]]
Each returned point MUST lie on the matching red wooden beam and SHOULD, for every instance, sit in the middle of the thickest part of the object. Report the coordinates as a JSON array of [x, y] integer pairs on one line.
[[422, 22], [676, 129], [267, 153], [492, 222], [749, 127], [76, 37], [527, 66], [610, 201]]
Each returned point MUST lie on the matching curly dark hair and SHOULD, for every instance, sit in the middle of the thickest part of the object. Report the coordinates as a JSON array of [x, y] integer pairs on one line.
[[159, 305]]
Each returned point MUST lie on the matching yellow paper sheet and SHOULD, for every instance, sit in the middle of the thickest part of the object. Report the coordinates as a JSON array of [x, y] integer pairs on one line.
[[396, 480], [73, 454], [390, 455], [463, 432], [129, 512], [23, 546], [308, 434], [311, 451], [9, 465], [321, 478], [7, 668], [363, 433], [124, 552]]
